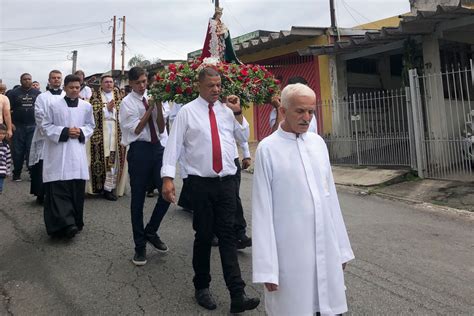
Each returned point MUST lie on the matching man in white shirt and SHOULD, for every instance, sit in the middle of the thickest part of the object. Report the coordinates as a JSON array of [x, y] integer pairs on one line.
[[68, 123], [86, 92], [141, 123], [204, 136], [105, 152], [300, 242], [42, 103]]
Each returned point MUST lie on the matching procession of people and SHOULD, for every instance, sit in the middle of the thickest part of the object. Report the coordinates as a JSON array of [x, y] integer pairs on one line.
[[77, 141]]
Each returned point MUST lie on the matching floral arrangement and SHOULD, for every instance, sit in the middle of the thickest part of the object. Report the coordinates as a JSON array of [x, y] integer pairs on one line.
[[251, 83]]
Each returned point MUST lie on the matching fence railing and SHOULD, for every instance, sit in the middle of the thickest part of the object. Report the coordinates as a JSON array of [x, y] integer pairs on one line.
[[370, 129], [444, 103]]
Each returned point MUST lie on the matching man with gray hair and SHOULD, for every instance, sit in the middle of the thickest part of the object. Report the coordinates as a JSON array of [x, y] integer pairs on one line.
[[300, 242]]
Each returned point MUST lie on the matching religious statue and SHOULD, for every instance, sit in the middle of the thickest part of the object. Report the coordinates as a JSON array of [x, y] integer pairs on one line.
[[218, 43]]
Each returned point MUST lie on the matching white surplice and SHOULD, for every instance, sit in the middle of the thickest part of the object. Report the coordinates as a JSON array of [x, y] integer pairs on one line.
[[66, 160], [299, 237], [37, 143]]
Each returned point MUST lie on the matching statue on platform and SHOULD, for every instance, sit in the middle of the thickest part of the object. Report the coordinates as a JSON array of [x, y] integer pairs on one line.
[[218, 43]]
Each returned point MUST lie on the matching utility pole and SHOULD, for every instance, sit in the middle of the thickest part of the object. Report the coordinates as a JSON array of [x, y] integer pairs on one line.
[[123, 47], [113, 43], [216, 3], [333, 14], [74, 60], [332, 10]]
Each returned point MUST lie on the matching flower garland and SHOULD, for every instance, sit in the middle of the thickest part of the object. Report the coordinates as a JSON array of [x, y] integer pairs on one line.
[[251, 83]]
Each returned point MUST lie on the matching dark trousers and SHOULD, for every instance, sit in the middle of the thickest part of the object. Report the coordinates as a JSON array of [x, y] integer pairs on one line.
[[214, 204], [64, 204], [144, 165], [21, 146], [37, 187], [240, 224]]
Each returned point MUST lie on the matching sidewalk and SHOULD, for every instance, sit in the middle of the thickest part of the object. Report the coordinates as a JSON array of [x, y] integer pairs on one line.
[[400, 184]]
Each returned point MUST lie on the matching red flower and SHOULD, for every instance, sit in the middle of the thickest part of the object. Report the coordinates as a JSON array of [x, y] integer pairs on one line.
[[189, 90], [255, 68], [277, 81], [194, 66], [271, 91], [179, 90], [181, 67], [168, 88], [240, 78], [157, 77], [244, 72], [247, 79], [186, 79], [172, 76], [172, 67]]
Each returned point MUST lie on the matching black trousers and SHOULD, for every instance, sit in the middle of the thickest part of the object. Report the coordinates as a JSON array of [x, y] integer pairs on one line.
[[21, 146], [240, 224], [64, 205], [214, 204], [36, 187], [144, 165]]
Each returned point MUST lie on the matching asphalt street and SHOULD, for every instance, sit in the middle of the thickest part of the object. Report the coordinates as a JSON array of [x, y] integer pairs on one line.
[[410, 259]]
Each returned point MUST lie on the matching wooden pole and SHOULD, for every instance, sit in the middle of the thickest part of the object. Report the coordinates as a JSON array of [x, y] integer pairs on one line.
[[123, 46], [74, 60], [113, 43], [333, 14]]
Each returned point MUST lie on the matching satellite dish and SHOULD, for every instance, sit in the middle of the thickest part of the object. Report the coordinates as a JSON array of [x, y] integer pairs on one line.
[[146, 63]]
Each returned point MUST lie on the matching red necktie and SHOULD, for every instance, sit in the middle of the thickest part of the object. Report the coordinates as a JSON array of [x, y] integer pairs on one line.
[[154, 138], [216, 144]]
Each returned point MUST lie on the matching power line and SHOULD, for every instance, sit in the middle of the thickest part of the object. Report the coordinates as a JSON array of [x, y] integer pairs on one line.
[[46, 35], [162, 45], [13, 29]]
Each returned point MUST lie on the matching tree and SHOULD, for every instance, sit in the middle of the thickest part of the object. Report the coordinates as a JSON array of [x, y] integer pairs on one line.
[[136, 60]]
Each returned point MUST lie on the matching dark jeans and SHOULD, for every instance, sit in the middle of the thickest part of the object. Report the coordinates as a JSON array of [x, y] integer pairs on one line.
[[1, 183], [144, 165], [21, 146], [214, 204], [240, 224]]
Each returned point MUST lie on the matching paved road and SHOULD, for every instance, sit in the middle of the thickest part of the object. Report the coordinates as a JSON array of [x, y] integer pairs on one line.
[[409, 260]]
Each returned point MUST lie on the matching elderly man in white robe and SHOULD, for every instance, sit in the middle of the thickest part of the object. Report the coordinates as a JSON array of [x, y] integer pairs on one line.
[[300, 242], [68, 123]]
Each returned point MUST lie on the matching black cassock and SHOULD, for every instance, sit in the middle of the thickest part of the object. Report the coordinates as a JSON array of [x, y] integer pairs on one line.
[[63, 205]]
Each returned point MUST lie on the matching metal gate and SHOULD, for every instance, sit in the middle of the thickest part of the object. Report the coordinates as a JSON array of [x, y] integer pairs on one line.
[[370, 129], [443, 112]]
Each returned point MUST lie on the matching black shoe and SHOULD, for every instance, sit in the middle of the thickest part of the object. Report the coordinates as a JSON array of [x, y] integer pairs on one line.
[[214, 241], [110, 196], [40, 200], [16, 178], [139, 259], [244, 242], [71, 231], [157, 243], [150, 194], [242, 303], [205, 299]]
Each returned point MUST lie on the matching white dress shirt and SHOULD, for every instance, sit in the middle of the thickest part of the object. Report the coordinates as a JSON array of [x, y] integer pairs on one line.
[[190, 140], [130, 114], [85, 93]]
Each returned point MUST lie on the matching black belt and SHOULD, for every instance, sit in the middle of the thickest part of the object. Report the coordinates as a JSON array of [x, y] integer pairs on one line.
[[212, 180]]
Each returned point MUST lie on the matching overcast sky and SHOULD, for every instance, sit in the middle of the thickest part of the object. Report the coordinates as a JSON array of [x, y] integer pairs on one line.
[[39, 35]]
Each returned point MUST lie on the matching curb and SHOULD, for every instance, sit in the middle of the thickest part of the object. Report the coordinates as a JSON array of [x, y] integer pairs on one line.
[[363, 191]]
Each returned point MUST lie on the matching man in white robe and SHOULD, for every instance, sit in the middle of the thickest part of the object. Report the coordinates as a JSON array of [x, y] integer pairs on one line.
[[43, 101], [67, 124], [300, 242]]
